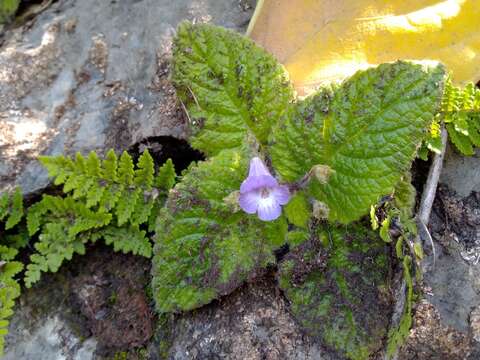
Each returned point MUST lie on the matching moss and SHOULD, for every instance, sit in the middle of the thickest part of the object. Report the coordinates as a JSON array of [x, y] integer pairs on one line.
[[142, 354], [149, 292], [333, 289], [398, 335], [8, 8], [112, 298], [164, 334], [122, 355]]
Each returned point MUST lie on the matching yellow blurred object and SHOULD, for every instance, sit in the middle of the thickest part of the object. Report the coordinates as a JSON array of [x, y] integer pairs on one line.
[[321, 41]]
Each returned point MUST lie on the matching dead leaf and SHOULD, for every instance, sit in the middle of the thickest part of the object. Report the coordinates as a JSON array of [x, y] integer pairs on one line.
[[321, 41]]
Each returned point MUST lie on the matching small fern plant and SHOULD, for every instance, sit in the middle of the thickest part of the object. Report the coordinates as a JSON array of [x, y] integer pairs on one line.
[[109, 199], [460, 111], [11, 214]]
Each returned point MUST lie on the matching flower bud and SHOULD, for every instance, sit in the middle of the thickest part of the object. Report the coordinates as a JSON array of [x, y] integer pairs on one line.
[[321, 173]]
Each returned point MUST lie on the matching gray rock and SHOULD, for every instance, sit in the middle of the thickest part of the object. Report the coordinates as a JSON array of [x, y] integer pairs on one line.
[[52, 340], [251, 323], [446, 321], [461, 173], [89, 75]]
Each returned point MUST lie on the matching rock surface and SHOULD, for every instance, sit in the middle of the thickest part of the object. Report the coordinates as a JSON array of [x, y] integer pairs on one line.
[[461, 173], [251, 323], [89, 75]]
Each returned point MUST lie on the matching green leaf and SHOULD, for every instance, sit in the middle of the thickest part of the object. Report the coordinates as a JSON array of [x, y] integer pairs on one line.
[[126, 205], [15, 211], [8, 8], [461, 113], [297, 142], [332, 286], [145, 171], [373, 217], [9, 291], [404, 196], [298, 211], [7, 253], [64, 224], [229, 86], [203, 249], [109, 166], [417, 248], [128, 240], [4, 205], [385, 230], [461, 141], [166, 176], [93, 165], [371, 130], [125, 169]]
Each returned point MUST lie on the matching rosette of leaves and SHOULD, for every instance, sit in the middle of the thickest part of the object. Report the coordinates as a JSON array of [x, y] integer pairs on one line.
[[11, 213], [364, 133], [108, 199]]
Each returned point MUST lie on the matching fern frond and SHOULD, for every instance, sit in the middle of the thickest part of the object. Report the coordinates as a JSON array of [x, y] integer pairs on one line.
[[62, 222], [128, 240], [461, 114], [126, 205], [109, 166], [9, 289], [11, 208], [125, 169], [166, 176], [145, 171], [4, 202], [107, 199]]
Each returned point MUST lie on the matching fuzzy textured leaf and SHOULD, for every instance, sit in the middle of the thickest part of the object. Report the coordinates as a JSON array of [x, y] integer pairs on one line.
[[371, 130], [298, 210], [229, 86], [204, 248], [333, 281]]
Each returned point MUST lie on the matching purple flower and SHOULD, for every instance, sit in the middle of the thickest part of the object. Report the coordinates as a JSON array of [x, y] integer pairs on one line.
[[260, 192]]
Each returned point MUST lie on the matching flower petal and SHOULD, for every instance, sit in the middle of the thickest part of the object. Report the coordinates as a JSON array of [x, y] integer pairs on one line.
[[258, 168], [249, 201], [269, 209], [281, 194], [255, 182]]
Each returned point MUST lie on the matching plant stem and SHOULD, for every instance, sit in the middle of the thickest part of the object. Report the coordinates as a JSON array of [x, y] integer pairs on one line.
[[428, 195], [423, 218], [256, 13]]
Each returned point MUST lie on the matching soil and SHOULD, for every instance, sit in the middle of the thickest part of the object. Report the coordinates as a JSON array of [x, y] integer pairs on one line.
[[456, 219]]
